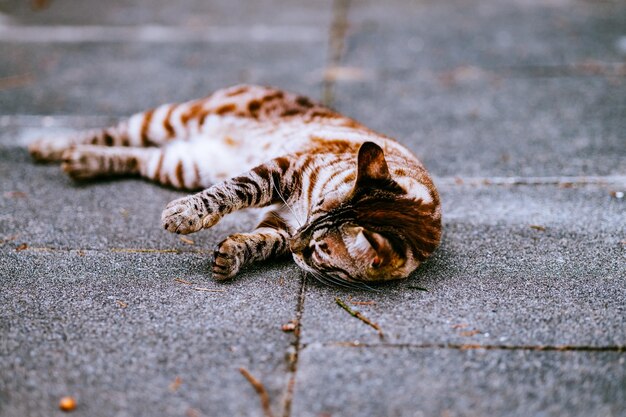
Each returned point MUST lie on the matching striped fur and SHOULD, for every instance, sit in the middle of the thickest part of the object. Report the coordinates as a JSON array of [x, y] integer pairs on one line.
[[349, 204]]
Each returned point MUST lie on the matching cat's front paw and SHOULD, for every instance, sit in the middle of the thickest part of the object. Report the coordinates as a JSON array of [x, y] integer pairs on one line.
[[187, 215], [228, 258]]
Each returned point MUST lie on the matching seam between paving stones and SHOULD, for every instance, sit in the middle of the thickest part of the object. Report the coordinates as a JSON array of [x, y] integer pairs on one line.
[[338, 28], [456, 346], [74, 34], [293, 362], [108, 250]]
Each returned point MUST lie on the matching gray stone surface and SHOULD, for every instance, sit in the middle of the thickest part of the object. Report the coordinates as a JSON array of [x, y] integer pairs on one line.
[[121, 78], [498, 281], [116, 330], [496, 88], [512, 126], [415, 382], [524, 313], [490, 34]]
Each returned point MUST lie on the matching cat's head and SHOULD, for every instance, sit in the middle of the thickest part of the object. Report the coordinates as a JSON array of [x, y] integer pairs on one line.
[[380, 230]]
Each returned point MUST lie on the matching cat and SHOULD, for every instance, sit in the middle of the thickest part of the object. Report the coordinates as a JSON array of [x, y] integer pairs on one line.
[[352, 206]]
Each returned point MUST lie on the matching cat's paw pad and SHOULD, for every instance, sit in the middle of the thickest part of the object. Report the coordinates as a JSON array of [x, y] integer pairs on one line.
[[49, 150], [81, 165], [187, 215], [228, 259]]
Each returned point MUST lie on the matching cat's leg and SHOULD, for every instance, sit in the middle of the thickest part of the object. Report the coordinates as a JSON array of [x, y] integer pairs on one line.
[[174, 165], [84, 162], [151, 128], [269, 240], [270, 183]]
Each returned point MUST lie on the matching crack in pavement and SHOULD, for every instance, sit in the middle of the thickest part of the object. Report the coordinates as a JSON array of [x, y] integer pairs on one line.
[[293, 360], [336, 44], [456, 346]]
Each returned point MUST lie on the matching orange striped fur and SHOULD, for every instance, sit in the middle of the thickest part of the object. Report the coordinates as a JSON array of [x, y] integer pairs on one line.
[[350, 205]]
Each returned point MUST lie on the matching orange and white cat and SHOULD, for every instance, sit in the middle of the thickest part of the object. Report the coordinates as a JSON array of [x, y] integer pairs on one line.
[[352, 206]]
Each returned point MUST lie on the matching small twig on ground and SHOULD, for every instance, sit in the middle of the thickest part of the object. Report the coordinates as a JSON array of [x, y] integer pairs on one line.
[[359, 316], [260, 389], [186, 240], [538, 227], [415, 287], [182, 281], [362, 303], [207, 289], [470, 333], [176, 383]]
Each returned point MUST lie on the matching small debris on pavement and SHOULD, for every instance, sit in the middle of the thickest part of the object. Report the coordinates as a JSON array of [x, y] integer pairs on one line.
[[415, 287], [176, 383], [460, 326], [538, 227], [289, 327], [16, 81], [121, 303], [260, 389], [192, 412], [15, 194], [617, 194], [346, 74], [362, 303], [8, 239], [67, 403], [469, 333], [21, 247], [207, 289], [186, 240], [40, 4], [359, 316], [182, 281]]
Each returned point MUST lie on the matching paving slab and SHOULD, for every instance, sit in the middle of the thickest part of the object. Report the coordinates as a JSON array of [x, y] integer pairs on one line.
[[162, 12], [500, 88], [121, 78], [522, 266], [489, 34], [116, 330], [519, 126], [449, 382]]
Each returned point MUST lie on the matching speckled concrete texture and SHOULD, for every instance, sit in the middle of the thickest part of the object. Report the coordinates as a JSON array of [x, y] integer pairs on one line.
[[516, 107]]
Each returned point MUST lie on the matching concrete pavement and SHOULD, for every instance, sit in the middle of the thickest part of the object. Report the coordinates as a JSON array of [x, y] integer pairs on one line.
[[516, 107]]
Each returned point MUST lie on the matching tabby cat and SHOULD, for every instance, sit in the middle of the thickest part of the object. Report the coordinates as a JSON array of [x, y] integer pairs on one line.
[[352, 206]]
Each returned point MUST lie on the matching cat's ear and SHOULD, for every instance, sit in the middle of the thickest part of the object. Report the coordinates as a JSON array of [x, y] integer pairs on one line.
[[374, 248], [371, 165]]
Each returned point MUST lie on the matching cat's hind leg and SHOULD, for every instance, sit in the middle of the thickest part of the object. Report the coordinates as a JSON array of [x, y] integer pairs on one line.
[[51, 149], [151, 128], [173, 165], [269, 240], [85, 162]]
